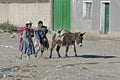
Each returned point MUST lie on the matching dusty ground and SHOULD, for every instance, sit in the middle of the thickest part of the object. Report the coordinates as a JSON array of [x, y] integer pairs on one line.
[[98, 59]]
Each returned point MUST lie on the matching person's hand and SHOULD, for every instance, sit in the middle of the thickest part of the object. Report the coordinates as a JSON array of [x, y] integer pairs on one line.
[[34, 29]]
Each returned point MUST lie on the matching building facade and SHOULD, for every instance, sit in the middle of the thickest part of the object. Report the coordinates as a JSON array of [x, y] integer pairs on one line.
[[99, 15], [92, 15], [89, 15]]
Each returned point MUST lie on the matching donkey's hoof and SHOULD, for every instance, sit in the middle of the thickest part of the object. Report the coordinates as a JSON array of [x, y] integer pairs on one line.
[[76, 55], [35, 55], [59, 56], [20, 58], [50, 57], [66, 55], [41, 56]]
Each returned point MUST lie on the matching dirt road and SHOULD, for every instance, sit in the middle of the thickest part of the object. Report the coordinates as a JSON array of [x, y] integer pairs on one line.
[[98, 59]]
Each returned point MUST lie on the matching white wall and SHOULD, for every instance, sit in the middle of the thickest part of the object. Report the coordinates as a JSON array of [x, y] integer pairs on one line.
[[20, 13], [78, 22]]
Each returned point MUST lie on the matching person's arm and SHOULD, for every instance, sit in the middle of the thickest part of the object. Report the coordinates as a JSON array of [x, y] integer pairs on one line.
[[45, 29], [32, 33], [37, 33], [24, 36]]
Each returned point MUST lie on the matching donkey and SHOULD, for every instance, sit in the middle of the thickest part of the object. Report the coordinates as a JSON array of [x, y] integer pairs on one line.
[[66, 40]]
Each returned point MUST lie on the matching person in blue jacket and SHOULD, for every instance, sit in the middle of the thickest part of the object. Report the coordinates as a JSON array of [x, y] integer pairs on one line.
[[40, 33]]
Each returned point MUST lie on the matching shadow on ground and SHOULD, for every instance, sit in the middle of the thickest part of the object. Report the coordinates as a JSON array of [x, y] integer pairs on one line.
[[89, 56], [85, 56], [96, 56]]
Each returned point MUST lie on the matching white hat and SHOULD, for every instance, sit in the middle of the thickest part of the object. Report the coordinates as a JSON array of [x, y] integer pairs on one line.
[[28, 22]]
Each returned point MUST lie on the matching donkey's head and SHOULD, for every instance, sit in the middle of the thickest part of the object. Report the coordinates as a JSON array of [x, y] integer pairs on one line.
[[79, 38]]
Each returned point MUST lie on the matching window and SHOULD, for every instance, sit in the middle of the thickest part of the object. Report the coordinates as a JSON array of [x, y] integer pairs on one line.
[[87, 9]]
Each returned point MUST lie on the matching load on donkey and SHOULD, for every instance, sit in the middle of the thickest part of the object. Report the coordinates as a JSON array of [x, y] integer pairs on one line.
[[66, 38]]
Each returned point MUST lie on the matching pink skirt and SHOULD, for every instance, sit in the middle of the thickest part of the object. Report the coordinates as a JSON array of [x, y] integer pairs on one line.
[[20, 43]]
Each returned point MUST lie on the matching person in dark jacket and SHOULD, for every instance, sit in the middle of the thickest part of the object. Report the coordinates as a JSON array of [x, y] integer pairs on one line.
[[40, 33]]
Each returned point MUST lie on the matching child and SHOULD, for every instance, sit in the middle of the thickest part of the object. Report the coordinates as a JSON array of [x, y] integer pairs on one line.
[[41, 37]]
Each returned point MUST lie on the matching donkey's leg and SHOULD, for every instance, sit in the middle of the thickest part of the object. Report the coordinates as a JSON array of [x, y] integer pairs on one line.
[[42, 50], [75, 50], [67, 47], [57, 49], [36, 54], [51, 49]]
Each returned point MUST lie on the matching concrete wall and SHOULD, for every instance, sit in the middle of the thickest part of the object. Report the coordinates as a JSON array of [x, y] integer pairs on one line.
[[20, 13], [75, 15], [24, 1], [93, 23], [77, 20], [115, 16], [96, 15]]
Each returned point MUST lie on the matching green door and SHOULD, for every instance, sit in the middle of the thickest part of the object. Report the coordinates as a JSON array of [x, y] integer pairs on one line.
[[61, 14], [106, 18]]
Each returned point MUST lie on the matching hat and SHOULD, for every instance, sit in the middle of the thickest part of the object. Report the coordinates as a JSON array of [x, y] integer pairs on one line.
[[28, 22]]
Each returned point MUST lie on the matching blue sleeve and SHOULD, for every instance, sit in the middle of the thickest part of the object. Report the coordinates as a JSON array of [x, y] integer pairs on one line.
[[40, 34], [37, 35]]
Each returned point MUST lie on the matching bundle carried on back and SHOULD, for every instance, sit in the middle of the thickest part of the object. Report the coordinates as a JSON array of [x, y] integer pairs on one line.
[[21, 29]]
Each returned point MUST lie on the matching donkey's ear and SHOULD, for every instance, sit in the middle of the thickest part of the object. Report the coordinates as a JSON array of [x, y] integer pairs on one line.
[[82, 34]]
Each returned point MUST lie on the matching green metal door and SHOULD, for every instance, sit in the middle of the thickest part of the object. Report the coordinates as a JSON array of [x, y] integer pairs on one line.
[[61, 14], [106, 18], [57, 23]]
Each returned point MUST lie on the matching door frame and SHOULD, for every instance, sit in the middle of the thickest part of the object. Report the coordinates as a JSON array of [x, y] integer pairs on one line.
[[102, 16]]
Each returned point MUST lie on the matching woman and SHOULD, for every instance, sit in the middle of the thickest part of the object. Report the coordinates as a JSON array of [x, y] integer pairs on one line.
[[27, 46]]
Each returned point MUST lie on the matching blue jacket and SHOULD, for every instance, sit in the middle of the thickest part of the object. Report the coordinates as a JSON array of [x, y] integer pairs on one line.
[[40, 35]]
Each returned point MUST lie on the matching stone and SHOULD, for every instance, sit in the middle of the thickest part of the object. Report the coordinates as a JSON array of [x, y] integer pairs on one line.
[[44, 79], [13, 35]]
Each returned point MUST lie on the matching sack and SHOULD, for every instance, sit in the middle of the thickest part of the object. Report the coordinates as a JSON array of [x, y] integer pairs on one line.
[[45, 43], [45, 30]]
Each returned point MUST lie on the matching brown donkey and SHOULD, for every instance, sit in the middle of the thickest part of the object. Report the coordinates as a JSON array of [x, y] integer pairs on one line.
[[66, 40]]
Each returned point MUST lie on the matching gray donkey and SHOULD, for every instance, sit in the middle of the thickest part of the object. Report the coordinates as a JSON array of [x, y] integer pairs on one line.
[[65, 38]]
